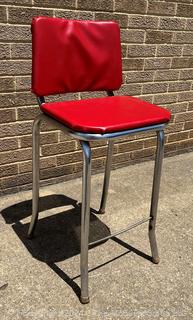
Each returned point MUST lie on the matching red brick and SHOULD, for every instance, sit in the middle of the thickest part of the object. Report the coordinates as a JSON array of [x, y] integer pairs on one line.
[[8, 144], [183, 37], [15, 67], [21, 50], [137, 6], [186, 74], [190, 106], [129, 89], [143, 22], [154, 87], [18, 2], [188, 125], [140, 76], [66, 4], [15, 156], [4, 51], [153, 36], [142, 154], [15, 129], [25, 15], [177, 107], [191, 134], [165, 75], [186, 116], [45, 138], [7, 115], [12, 33], [8, 170], [124, 50], [45, 163], [178, 136], [17, 99], [121, 19], [21, 179], [27, 113], [3, 16], [105, 5], [185, 10], [23, 83], [189, 25], [129, 146], [132, 64], [79, 15], [165, 50], [132, 36], [157, 63], [161, 8], [62, 147], [183, 96], [57, 171], [141, 50], [172, 23], [174, 127], [69, 158], [170, 147], [165, 98], [121, 158], [179, 86], [151, 142], [188, 50], [182, 63], [6, 84], [185, 144], [148, 98]]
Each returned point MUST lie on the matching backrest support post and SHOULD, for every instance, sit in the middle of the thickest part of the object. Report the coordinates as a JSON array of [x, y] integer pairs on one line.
[[110, 93], [40, 100]]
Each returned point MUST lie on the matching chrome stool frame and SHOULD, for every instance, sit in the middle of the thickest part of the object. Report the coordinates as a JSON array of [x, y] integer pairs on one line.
[[84, 139]]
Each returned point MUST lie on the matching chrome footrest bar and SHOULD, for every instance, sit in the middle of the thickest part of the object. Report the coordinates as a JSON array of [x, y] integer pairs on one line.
[[129, 227]]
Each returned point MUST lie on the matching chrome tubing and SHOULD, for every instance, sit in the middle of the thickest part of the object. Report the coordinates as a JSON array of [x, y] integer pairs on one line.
[[85, 220], [155, 195], [36, 174], [86, 185], [96, 136], [106, 177], [129, 227]]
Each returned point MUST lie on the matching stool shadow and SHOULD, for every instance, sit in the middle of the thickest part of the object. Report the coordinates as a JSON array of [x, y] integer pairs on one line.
[[57, 237]]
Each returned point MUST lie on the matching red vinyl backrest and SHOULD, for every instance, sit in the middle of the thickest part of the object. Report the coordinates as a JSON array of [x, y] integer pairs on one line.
[[73, 55]]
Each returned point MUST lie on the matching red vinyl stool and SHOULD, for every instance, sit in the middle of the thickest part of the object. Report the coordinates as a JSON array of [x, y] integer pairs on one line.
[[77, 56]]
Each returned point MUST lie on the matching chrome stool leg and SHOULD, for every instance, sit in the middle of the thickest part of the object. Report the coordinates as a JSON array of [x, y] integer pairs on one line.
[[106, 178], [85, 220], [35, 165], [155, 195]]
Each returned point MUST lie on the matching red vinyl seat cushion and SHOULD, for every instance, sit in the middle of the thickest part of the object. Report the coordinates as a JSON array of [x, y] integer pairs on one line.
[[108, 114]]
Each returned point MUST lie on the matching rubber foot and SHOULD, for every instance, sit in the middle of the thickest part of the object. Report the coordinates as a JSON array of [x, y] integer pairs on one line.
[[101, 211], [84, 300], [156, 260], [30, 236]]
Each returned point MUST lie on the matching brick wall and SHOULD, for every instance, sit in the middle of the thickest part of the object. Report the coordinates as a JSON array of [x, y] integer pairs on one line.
[[157, 49]]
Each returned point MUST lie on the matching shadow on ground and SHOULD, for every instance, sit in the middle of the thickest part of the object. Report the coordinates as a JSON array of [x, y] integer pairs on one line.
[[57, 237]]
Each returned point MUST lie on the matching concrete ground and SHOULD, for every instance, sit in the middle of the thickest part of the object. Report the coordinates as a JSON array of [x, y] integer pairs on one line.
[[40, 279]]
